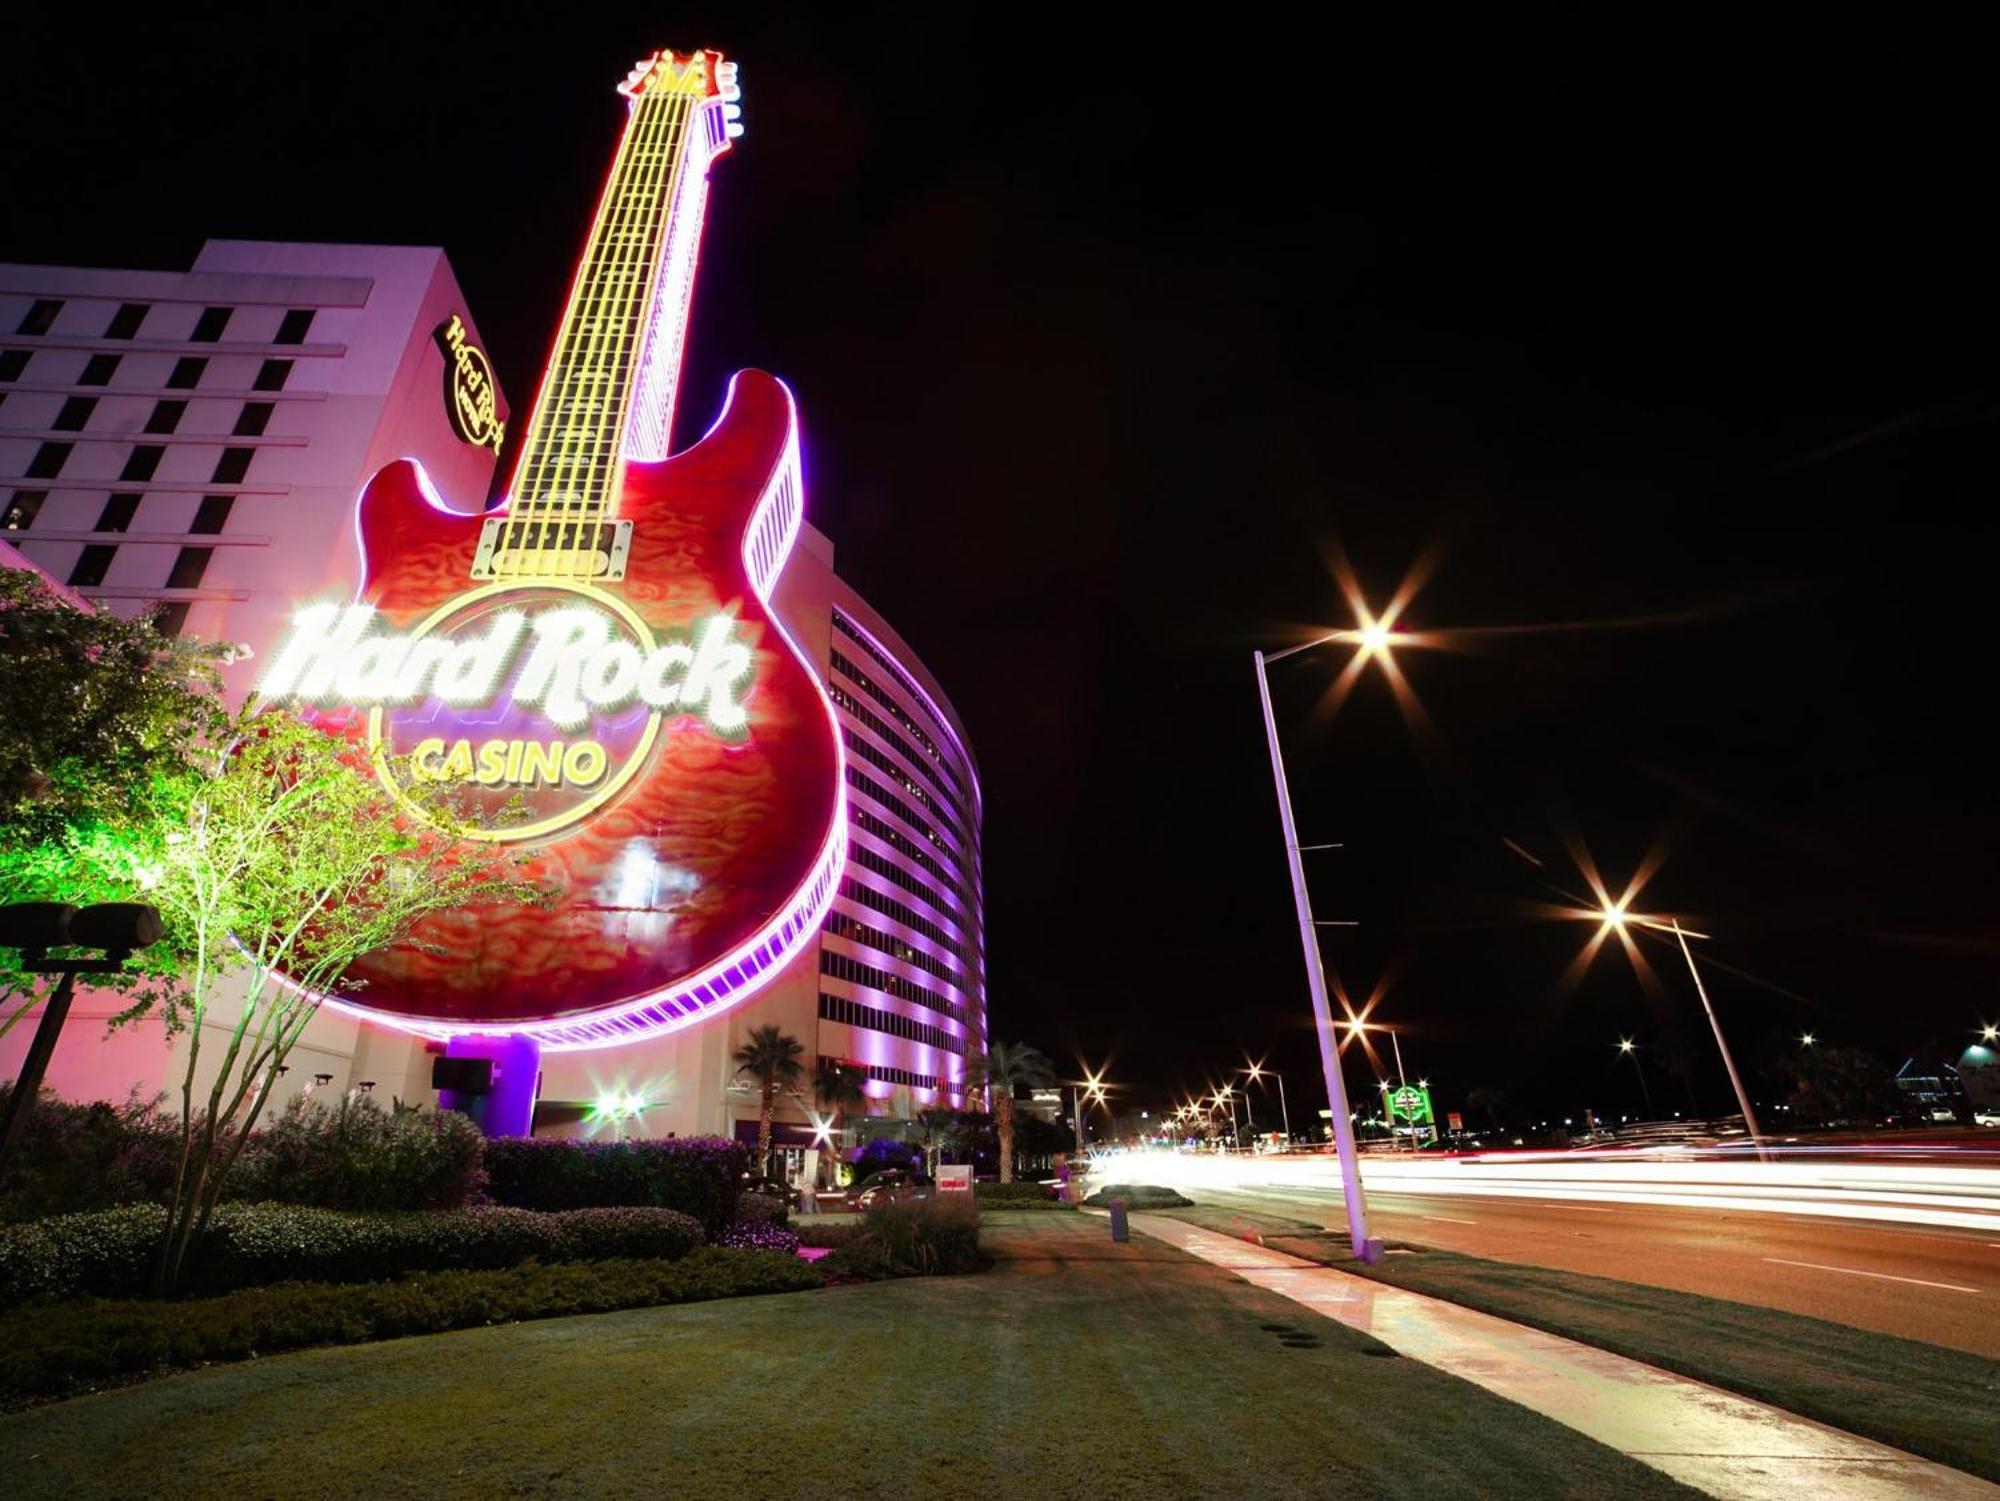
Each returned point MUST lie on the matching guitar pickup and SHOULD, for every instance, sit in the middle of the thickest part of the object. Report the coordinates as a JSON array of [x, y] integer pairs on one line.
[[510, 549]]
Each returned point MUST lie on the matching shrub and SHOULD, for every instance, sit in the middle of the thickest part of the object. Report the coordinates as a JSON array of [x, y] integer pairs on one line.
[[358, 1156], [50, 1351], [698, 1175], [110, 1253], [1141, 1196], [73, 1158], [1016, 1196], [831, 1234], [757, 1235], [912, 1238], [765, 1209]]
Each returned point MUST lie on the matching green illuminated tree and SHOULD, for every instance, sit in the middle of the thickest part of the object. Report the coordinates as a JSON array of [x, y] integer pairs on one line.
[[269, 847], [98, 715], [282, 864], [771, 1057], [1008, 1067]]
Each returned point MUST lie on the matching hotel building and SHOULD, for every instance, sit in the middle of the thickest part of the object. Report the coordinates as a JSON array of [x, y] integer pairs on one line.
[[191, 444]]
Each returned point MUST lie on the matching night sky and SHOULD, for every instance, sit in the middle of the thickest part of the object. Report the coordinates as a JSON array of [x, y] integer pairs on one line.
[[1107, 343]]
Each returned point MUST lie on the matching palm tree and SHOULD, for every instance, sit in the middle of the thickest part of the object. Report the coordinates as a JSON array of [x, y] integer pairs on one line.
[[1009, 1066], [770, 1057], [838, 1086]]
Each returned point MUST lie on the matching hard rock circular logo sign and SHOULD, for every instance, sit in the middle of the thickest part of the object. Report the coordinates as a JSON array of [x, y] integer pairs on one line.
[[535, 703]]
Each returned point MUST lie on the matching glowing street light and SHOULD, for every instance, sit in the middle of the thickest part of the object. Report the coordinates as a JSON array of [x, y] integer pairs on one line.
[[1989, 1034], [1257, 1074], [1806, 1039], [1629, 1049]]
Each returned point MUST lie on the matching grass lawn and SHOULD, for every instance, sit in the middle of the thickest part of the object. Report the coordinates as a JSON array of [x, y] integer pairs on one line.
[[1943, 1404], [1074, 1368]]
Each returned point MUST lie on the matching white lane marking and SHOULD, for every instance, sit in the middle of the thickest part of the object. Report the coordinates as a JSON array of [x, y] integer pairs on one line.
[[1448, 1219], [1855, 1271]]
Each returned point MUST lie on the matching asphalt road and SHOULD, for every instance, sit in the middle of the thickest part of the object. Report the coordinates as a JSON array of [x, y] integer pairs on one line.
[[1938, 1285]]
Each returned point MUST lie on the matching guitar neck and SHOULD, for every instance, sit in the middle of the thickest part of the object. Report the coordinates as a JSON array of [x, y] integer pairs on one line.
[[608, 392]]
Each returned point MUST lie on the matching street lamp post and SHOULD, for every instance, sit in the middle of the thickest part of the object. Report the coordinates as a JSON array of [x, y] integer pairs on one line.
[[1329, 1052], [1728, 1062], [1630, 1050], [1257, 1073]]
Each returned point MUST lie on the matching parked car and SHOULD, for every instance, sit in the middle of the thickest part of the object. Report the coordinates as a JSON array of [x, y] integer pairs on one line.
[[879, 1188]]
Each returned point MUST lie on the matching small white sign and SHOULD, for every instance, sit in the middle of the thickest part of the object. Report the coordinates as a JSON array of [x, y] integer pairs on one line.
[[954, 1178]]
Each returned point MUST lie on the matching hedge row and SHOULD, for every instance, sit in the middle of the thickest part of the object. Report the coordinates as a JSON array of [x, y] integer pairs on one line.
[[350, 1153], [698, 1175], [110, 1253], [1016, 1196], [49, 1351]]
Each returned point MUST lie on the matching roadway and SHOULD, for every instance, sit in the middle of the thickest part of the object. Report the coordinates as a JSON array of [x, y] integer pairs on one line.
[[1940, 1284]]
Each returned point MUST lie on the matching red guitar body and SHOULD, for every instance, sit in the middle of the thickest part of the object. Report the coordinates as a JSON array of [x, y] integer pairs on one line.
[[670, 897]]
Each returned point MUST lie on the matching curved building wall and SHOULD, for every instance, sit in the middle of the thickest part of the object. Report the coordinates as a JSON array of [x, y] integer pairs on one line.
[[903, 954]]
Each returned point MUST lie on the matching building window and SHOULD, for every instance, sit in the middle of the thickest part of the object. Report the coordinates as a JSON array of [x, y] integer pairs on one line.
[[251, 420], [75, 412], [170, 619], [41, 316], [209, 326], [232, 466], [166, 416], [125, 322], [189, 567], [99, 370], [187, 371], [92, 565], [296, 324], [13, 362], [271, 375], [49, 460], [22, 508], [145, 459], [118, 513], [212, 513]]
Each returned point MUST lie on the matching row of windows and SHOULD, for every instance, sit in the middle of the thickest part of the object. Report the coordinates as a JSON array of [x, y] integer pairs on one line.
[[875, 722], [861, 750], [118, 513], [882, 865], [905, 845], [143, 462], [852, 970], [903, 1076], [95, 562], [909, 917], [165, 417], [854, 930], [835, 1008], [902, 717], [185, 376], [859, 779], [125, 323]]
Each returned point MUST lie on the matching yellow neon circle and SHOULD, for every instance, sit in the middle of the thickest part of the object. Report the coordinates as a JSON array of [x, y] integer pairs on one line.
[[590, 804]]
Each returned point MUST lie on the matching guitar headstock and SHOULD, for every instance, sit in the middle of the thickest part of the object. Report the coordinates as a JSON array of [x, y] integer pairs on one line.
[[702, 74]]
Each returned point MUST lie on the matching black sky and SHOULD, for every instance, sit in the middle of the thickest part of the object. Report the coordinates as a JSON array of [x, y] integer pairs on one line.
[[1105, 338]]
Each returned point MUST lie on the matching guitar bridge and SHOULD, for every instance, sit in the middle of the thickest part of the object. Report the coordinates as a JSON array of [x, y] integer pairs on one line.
[[511, 549]]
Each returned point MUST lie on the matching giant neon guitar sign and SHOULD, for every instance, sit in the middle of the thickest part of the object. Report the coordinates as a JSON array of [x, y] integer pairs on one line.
[[595, 666]]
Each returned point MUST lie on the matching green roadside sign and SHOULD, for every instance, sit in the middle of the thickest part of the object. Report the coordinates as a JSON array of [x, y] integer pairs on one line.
[[1411, 1104]]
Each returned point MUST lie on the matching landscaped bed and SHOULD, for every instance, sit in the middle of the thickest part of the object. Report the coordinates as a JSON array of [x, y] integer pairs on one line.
[[1077, 1367]]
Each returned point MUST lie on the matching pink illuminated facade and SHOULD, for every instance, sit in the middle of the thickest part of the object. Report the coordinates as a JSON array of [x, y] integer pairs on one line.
[[193, 443]]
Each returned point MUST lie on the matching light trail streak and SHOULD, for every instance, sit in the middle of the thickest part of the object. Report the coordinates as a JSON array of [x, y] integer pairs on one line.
[[1911, 1193]]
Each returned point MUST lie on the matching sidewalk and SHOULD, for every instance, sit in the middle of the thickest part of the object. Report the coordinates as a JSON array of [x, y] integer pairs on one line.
[[1726, 1445]]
